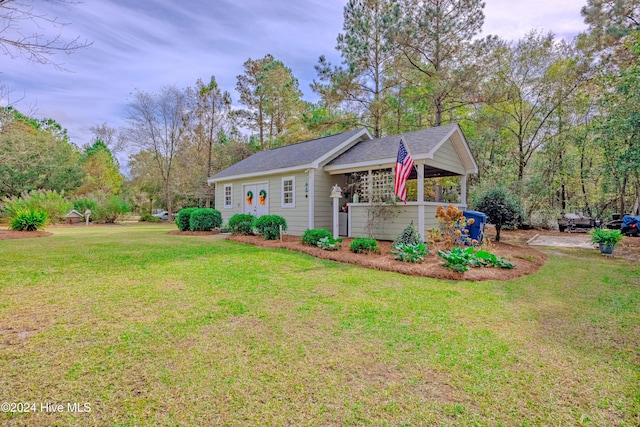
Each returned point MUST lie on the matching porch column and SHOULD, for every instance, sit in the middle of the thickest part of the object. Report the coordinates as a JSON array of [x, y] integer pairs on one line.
[[463, 190], [421, 200]]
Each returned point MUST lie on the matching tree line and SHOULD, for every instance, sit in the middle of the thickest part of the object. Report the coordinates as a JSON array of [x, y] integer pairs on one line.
[[554, 121]]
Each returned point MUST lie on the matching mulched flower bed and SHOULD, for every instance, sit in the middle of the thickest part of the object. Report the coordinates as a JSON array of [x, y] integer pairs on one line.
[[527, 260]]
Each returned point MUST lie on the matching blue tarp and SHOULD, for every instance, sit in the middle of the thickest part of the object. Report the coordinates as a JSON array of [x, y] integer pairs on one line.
[[628, 221]]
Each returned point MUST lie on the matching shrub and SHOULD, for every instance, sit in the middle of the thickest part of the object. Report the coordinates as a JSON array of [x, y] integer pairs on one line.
[[241, 224], [501, 208], [51, 202], [329, 243], [312, 237], [82, 204], [268, 226], [409, 236], [28, 220], [205, 219], [147, 217], [110, 209], [452, 228], [410, 252], [184, 218], [364, 245]]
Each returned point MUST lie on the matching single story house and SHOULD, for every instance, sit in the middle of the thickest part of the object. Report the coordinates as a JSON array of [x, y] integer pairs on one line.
[[295, 181]]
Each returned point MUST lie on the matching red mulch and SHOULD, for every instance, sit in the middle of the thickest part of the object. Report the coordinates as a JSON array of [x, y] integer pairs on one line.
[[11, 234], [193, 233], [527, 260]]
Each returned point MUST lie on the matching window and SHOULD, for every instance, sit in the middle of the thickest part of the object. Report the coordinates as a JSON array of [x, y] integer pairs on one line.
[[288, 192], [228, 201]]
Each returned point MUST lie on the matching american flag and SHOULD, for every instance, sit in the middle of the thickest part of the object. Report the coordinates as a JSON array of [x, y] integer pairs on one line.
[[404, 164]]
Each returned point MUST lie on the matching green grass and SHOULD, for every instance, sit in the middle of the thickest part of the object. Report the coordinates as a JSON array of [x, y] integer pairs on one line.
[[157, 329]]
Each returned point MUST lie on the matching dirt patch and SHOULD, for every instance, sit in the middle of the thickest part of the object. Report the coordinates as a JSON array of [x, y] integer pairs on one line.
[[527, 260], [194, 233], [11, 234]]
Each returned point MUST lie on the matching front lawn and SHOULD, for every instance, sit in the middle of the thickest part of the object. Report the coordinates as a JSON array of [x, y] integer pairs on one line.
[[152, 329]]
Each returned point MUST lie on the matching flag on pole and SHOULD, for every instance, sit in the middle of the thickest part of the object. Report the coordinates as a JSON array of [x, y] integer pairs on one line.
[[404, 164]]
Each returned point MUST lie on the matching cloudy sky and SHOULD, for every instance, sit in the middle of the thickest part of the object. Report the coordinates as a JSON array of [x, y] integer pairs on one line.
[[147, 44]]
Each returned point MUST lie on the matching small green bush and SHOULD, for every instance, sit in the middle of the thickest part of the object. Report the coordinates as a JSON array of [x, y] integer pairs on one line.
[[457, 259], [52, 203], [364, 245], [205, 219], [241, 224], [147, 217], [28, 220], [110, 209], [410, 252], [409, 236], [312, 237], [268, 226], [184, 218], [329, 243], [84, 203], [605, 237]]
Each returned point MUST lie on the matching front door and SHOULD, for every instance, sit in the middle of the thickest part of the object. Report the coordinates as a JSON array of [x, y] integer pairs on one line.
[[256, 199]]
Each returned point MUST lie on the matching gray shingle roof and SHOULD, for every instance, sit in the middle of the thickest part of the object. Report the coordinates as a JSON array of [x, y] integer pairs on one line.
[[288, 156], [418, 142]]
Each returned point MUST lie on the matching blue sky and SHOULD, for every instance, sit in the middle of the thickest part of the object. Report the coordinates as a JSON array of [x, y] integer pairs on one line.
[[147, 44]]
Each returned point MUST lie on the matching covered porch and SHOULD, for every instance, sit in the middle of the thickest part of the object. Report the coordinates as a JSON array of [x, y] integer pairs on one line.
[[373, 210]]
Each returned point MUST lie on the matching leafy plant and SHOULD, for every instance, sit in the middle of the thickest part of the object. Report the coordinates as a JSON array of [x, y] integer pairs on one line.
[[241, 224], [205, 219], [409, 236], [147, 217], [268, 226], [312, 237], [52, 203], [410, 252], [487, 259], [606, 237], [329, 243], [183, 219], [457, 259], [28, 220], [84, 203], [452, 228], [362, 245]]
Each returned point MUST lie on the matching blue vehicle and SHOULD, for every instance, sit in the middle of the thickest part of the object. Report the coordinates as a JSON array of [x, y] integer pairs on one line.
[[630, 225]]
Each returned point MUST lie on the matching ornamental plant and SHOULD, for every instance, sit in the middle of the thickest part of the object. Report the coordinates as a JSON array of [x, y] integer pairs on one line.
[[147, 217], [205, 219], [51, 202], [312, 237], [459, 259], [363, 245], [452, 228], [407, 252], [241, 224], [409, 236], [329, 243], [606, 237], [268, 226], [28, 220], [183, 219]]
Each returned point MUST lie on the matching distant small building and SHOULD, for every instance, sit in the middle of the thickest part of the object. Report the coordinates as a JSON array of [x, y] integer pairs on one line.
[[73, 217]]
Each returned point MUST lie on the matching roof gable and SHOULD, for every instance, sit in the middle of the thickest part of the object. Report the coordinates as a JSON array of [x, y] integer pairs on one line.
[[422, 145], [303, 154]]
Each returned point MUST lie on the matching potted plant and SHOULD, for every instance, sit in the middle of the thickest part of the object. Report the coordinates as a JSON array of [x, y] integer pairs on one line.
[[606, 239]]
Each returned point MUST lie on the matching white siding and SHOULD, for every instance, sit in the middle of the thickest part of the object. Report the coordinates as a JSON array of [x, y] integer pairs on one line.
[[447, 158], [323, 211], [390, 229], [297, 218]]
